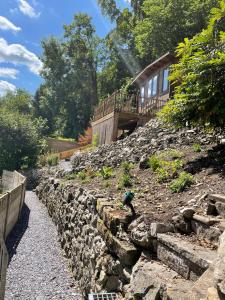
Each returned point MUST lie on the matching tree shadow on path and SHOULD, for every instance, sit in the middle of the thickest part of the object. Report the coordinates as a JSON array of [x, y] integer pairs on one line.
[[18, 231]]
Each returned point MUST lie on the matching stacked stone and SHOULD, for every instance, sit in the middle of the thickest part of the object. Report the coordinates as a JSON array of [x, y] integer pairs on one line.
[[143, 142]]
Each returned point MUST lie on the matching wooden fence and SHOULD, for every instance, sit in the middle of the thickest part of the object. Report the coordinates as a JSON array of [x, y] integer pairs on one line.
[[11, 203]]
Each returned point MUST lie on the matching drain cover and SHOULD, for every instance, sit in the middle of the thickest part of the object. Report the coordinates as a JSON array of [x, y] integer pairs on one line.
[[108, 296]]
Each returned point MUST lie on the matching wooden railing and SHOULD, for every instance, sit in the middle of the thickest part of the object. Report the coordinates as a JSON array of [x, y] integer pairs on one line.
[[131, 103]]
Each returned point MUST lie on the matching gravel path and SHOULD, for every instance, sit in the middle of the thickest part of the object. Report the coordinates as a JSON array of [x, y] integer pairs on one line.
[[37, 269]]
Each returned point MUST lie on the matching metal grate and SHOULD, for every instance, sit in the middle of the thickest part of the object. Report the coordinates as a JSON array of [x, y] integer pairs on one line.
[[107, 296]]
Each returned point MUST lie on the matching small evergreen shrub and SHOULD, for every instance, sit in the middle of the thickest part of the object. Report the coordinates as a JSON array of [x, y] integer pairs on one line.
[[162, 174], [154, 162], [182, 182]]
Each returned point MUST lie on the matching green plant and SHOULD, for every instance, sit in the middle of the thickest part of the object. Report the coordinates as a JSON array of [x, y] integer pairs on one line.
[[42, 160], [182, 182], [162, 174], [106, 172], [197, 147], [127, 166], [125, 180], [71, 176], [53, 160], [95, 140], [107, 184], [82, 175], [154, 162], [173, 153]]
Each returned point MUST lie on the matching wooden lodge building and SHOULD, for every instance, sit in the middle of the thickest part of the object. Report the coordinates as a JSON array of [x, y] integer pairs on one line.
[[120, 114]]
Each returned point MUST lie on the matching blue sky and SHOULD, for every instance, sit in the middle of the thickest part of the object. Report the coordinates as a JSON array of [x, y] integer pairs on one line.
[[24, 23]]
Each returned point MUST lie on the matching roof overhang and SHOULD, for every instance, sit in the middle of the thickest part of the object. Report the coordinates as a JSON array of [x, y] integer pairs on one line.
[[164, 60]]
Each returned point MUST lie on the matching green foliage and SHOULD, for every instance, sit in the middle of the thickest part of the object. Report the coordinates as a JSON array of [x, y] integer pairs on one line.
[[154, 162], [165, 165], [69, 92], [106, 172], [20, 141], [199, 77], [71, 176], [95, 140], [53, 160], [82, 175], [166, 23], [125, 180], [197, 147], [127, 167], [182, 182]]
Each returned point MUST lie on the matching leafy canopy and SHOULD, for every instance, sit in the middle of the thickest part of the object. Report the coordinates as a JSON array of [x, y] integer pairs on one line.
[[199, 77]]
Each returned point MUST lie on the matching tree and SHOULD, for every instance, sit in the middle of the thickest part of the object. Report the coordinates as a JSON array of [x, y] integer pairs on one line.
[[69, 93], [21, 139], [199, 77], [166, 23]]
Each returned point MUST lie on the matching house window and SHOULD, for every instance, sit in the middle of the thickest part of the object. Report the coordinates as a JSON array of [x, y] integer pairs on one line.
[[165, 86], [142, 94], [154, 85], [150, 88]]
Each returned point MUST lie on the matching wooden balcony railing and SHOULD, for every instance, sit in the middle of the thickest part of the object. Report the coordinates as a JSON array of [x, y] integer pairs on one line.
[[131, 103]]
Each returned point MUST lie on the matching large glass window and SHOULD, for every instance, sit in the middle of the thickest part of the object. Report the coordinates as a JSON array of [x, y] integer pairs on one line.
[[165, 86], [142, 94], [154, 85], [150, 88]]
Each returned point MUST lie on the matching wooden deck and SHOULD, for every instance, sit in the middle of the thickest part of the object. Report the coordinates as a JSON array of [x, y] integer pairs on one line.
[[120, 112]]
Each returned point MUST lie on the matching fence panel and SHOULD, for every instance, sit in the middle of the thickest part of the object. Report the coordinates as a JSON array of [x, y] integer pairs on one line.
[[4, 200], [3, 267]]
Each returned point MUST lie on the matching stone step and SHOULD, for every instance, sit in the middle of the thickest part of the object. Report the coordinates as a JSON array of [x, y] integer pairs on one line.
[[216, 198], [153, 280], [203, 287], [187, 259]]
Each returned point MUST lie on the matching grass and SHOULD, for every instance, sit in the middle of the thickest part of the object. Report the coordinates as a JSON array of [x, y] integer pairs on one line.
[[82, 175], [125, 180], [127, 167], [182, 182]]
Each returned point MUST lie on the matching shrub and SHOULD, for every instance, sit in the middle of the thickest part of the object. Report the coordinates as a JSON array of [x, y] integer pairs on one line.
[[53, 160], [173, 153], [197, 147], [182, 182], [106, 172], [127, 166], [162, 174], [125, 181], [154, 162]]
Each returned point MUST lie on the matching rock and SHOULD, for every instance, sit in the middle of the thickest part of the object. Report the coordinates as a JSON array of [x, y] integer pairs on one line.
[[220, 207], [219, 273], [187, 212], [160, 228], [181, 224], [140, 234], [143, 164]]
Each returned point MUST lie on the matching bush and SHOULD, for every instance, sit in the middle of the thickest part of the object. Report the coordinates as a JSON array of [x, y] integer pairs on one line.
[[127, 167], [197, 147], [106, 172], [162, 174], [53, 160], [182, 182], [154, 162], [125, 181]]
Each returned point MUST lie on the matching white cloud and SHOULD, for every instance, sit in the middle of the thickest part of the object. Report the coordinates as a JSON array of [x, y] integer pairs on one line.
[[8, 73], [27, 9], [5, 87], [19, 55], [5, 24]]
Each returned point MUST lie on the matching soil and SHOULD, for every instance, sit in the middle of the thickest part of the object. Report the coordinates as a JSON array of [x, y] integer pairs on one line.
[[154, 200]]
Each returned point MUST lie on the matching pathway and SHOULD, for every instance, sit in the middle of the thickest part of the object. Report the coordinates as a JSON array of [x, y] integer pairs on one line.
[[37, 269]]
